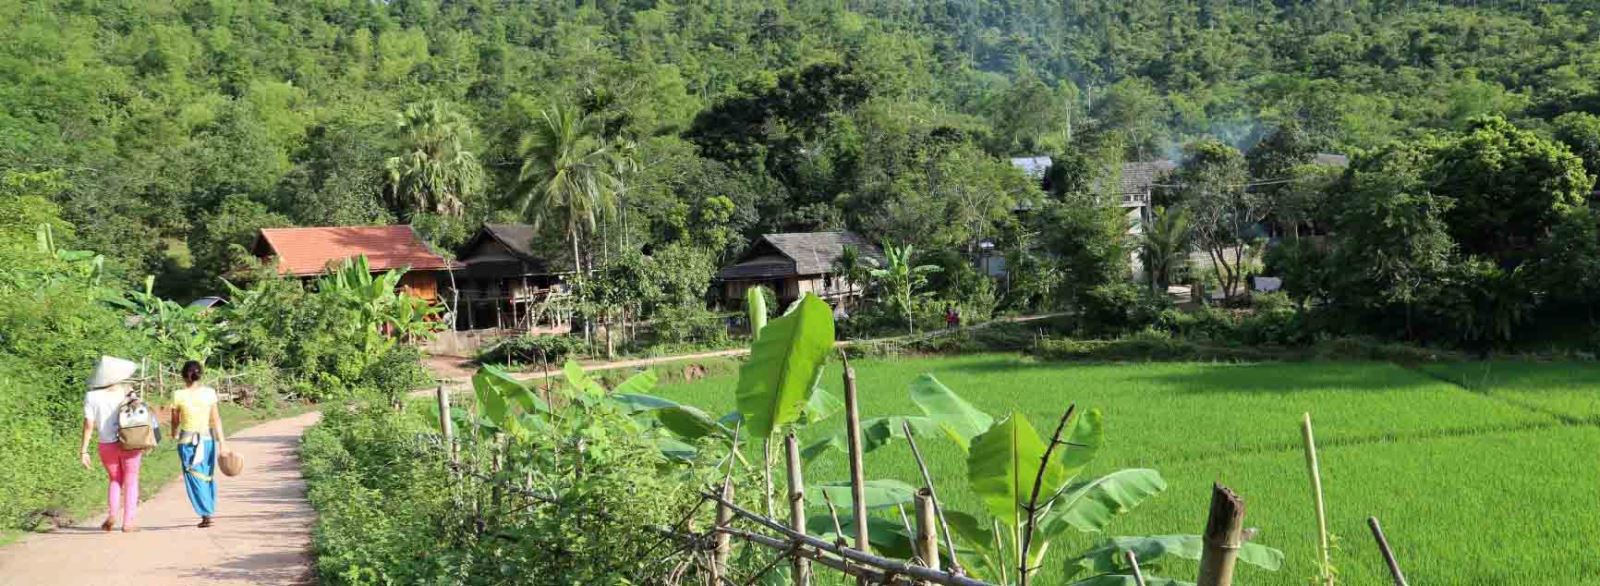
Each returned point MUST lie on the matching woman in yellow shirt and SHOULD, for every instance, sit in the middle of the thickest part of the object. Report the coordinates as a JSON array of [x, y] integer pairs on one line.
[[198, 428]]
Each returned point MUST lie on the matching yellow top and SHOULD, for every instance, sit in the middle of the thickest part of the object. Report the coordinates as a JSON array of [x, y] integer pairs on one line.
[[195, 406]]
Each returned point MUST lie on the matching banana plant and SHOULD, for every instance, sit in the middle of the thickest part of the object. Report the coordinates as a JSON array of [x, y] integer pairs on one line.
[[179, 331], [1005, 458]]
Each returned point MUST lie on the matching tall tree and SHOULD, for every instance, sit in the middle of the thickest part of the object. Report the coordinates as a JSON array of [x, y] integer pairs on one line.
[[1213, 184], [568, 175], [438, 172]]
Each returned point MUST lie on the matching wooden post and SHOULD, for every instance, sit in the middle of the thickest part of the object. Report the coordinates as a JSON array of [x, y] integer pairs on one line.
[[1138, 573], [724, 543], [858, 482], [446, 426], [926, 546], [1388, 554], [1222, 538], [1325, 555], [797, 506]]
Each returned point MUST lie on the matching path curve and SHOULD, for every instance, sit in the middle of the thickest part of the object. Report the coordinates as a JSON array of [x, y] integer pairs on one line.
[[262, 535]]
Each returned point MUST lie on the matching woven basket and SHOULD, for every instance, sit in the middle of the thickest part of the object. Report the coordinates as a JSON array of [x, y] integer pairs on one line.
[[231, 463]]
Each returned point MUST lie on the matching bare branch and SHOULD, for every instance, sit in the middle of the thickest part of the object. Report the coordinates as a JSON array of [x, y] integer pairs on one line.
[[1024, 573], [927, 480]]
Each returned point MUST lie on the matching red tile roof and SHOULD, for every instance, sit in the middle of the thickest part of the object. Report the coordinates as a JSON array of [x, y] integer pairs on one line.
[[303, 252]]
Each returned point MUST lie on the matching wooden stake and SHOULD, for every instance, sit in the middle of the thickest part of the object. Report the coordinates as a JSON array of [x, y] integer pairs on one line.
[[797, 505], [724, 546], [446, 426], [926, 546], [1388, 554], [927, 481], [858, 482], [1324, 550], [1222, 538], [1138, 574]]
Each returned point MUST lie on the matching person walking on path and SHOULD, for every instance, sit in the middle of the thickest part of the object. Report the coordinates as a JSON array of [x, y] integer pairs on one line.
[[108, 389], [197, 425]]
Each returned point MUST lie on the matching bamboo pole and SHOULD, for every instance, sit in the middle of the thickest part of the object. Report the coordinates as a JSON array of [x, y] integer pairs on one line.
[[1138, 574], [797, 505], [858, 482], [886, 564], [927, 480], [926, 545], [1324, 550], [1222, 538], [860, 571], [1388, 554], [766, 474], [446, 426]]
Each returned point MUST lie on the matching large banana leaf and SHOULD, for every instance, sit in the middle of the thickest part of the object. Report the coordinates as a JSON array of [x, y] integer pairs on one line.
[[875, 433], [1090, 506], [490, 386], [1112, 556], [1002, 464], [880, 494], [958, 418], [686, 421], [1083, 443], [887, 537], [643, 382], [822, 405], [775, 383]]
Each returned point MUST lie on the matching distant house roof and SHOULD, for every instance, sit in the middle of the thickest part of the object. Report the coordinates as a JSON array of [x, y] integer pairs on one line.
[[505, 243], [304, 252], [797, 253], [1035, 166], [1330, 160], [1138, 177]]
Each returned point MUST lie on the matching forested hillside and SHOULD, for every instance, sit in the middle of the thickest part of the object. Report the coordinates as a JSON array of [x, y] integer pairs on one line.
[[169, 131]]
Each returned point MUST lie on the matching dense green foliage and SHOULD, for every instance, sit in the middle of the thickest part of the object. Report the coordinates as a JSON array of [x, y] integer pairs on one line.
[[184, 126], [1381, 428]]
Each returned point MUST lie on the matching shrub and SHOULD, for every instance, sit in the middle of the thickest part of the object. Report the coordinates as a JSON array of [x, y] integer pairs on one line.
[[690, 323], [1120, 308], [532, 349]]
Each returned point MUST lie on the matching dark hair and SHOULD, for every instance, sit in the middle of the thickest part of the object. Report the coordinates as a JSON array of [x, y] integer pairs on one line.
[[192, 371]]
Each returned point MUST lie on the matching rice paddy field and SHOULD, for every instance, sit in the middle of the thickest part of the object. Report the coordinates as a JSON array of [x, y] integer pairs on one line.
[[1481, 473]]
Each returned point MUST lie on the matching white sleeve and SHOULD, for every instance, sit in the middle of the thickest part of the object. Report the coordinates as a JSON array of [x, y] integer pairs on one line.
[[89, 407]]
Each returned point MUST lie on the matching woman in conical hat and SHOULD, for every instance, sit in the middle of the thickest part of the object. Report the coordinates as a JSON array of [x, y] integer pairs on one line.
[[108, 388]]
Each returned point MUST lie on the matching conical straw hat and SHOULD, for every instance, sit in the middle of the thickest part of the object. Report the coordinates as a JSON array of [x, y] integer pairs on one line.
[[112, 370]]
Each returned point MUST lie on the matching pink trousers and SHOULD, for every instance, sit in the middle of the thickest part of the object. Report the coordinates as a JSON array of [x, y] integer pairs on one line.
[[122, 469]]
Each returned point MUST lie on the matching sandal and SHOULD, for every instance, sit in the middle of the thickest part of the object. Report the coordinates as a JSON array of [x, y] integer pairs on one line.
[[130, 529], [108, 525], [204, 522]]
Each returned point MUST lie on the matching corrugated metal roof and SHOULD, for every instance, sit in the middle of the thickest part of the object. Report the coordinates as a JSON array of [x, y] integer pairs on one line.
[[1035, 166], [303, 252]]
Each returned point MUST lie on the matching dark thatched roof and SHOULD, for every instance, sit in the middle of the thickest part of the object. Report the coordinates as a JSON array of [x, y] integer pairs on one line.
[[797, 253]]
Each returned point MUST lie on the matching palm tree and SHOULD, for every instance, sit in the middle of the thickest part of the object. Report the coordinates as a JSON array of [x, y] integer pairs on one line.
[[568, 175], [437, 173], [1164, 245]]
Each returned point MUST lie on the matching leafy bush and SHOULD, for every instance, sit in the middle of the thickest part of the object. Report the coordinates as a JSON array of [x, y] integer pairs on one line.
[[1121, 307], [690, 323], [532, 349]]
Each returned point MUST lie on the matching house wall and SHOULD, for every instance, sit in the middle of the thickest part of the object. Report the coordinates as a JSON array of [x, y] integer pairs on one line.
[[420, 284]]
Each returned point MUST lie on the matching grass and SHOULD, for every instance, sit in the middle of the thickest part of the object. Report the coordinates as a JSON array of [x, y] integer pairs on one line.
[[1480, 481], [158, 468]]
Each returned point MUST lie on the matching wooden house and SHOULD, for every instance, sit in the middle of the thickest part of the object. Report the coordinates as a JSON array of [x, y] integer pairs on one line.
[[307, 253], [794, 264], [507, 283]]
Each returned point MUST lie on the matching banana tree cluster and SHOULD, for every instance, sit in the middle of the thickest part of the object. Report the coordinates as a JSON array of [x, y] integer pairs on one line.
[[179, 331], [383, 313]]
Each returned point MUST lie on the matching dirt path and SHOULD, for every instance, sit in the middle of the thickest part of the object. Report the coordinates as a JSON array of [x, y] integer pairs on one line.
[[262, 535]]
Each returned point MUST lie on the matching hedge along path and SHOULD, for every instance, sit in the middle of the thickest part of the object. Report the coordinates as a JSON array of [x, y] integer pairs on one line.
[[262, 535]]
